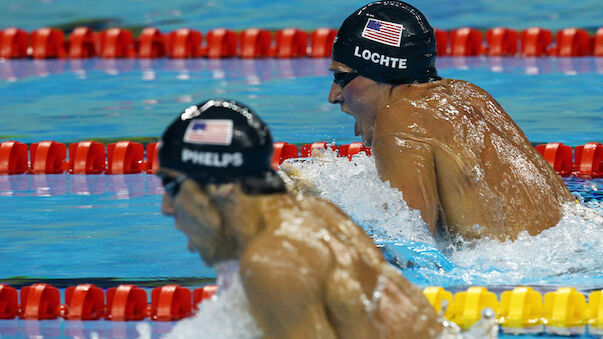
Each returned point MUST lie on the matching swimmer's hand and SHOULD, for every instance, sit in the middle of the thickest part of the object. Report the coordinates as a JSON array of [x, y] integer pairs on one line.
[[318, 153], [295, 180]]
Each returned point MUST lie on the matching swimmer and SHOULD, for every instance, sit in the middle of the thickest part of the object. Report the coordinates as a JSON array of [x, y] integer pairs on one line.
[[447, 145], [307, 270]]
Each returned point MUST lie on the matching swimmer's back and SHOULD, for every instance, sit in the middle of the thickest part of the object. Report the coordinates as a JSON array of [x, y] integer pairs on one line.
[[364, 297], [487, 171]]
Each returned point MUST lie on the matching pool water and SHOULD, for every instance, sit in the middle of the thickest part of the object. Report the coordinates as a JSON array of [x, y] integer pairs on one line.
[[69, 229], [552, 100], [105, 229], [305, 14]]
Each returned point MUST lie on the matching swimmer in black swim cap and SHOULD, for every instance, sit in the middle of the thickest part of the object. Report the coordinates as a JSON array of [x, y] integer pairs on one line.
[[221, 141], [214, 160], [447, 145], [387, 41]]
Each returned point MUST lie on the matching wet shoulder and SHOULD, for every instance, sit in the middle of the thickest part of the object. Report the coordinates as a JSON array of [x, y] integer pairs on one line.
[[438, 104], [310, 211], [419, 109], [330, 218]]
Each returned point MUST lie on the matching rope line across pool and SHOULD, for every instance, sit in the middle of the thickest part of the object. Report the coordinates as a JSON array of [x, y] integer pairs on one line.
[[82, 42]]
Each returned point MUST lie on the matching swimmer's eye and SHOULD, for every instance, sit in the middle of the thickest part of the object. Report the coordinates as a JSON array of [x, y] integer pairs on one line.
[[171, 185], [344, 78]]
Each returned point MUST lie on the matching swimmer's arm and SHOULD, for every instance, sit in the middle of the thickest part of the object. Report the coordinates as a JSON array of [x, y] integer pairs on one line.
[[284, 286], [409, 166], [295, 180]]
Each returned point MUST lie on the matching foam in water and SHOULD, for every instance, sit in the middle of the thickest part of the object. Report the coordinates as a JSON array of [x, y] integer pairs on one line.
[[356, 188], [226, 315], [567, 254]]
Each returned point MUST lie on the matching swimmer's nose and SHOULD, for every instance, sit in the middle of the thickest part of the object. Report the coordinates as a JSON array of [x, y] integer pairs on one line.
[[336, 94], [167, 205]]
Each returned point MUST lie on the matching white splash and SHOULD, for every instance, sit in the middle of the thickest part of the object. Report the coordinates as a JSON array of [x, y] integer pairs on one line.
[[226, 315], [356, 188], [569, 253]]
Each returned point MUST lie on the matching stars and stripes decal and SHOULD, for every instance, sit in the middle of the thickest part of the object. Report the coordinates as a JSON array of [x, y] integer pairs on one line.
[[385, 32], [209, 132]]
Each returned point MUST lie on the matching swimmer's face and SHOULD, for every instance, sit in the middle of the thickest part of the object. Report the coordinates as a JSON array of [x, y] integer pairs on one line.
[[360, 97], [193, 214]]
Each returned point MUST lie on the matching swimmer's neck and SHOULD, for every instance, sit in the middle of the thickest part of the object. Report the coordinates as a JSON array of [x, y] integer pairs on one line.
[[244, 216], [401, 91]]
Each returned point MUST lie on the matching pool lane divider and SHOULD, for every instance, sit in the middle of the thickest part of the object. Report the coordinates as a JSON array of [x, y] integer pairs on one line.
[[128, 157], [42, 301], [519, 311], [46, 42]]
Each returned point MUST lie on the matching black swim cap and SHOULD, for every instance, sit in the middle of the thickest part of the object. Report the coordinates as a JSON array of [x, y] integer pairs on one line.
[[389, 42], [221, 141]]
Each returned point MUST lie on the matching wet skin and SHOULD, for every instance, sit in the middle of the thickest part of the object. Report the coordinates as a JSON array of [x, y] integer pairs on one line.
[[456, 155], [307, 269]]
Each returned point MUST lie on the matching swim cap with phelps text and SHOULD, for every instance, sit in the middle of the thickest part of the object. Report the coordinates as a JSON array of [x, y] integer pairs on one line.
[[389, 42], [221, 141]]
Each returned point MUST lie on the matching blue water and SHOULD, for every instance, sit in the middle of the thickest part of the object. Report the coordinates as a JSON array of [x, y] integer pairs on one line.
[[552, 100], [305, 14], [67, 228]]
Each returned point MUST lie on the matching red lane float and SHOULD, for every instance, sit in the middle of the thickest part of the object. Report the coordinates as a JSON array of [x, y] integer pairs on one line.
[[84, 302], [83, 43], [9, 304], [47, 157], [126, 302], [184, 43], [255, 43], [283, 151], [535, 41], [221, 43], [40, 301], [352, 149], [48, 43], [559, 156], [598, 43], [306, 150], [13, 157], [151, 44], [573, 42], [287, 43], [465, 42], [124, 157], [322, 42], [441, 42], [117, 43], [589, 160], [151, 164], [501, 41], [86, 157], [13, 43], [127, 157], [291, 43], [170, 302], [203, 293]]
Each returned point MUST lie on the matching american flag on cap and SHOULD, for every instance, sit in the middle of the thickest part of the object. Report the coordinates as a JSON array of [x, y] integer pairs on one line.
[[209, 132], [385, 32]]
